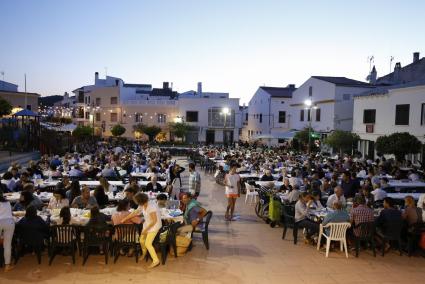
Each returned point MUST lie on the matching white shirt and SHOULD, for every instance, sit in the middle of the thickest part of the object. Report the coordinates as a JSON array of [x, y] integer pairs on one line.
[[379, 194], [333, 198], [152, 207], [232, 180], [5, 210]]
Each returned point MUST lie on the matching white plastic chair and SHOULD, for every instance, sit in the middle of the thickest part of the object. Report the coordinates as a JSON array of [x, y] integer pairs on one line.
[[251, 193], [337, 232]]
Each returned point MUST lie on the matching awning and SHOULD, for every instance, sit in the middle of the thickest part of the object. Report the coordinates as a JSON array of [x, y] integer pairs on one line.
[[287, 135]]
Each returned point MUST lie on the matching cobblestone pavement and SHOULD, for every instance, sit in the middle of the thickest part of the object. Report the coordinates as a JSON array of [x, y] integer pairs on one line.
[[243, 251]]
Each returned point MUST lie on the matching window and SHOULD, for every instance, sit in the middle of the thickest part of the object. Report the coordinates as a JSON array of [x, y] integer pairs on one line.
[[246, 116], [282, 102], [423, 114], [98, 101], [28, 107], [240, 131], [138, 117], [80, 96], [309, 114], [87, 115], [280, 141], [261, 118], [282, 116], [369, 115], [97, 116], [114, 100], [191, 116], [318, 114], [217, 119], [346, 97], [402, 114], [114, 117], [302, 115], [162, 118], [310, 91]]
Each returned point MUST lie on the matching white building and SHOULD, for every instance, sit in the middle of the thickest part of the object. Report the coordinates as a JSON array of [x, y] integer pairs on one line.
[[331, 104], [215, 115], [386, 110], [268, 116]]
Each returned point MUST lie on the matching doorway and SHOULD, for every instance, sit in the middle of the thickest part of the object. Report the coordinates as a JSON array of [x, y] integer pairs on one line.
[[210, 139]]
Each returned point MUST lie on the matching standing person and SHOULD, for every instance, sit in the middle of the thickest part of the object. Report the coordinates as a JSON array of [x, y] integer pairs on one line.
[[151, 226], [7, 227], [233, 187], [194, 181]]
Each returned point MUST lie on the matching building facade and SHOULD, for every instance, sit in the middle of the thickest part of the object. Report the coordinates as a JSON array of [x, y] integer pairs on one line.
[[268, 117], [331, 104], [18, 100]]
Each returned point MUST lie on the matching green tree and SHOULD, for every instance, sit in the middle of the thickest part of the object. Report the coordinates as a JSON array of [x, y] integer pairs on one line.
[[5, 107], [82, 132], [180, 129], [301, 137], [398, 144], [117, 130], [150, 131], [342, 140]]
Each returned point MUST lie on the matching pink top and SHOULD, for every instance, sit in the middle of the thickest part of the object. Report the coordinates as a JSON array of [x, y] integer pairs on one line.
[[117, 217]]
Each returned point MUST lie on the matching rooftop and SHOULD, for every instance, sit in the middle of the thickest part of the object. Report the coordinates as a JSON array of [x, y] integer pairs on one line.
[[343, 81], [279, 92], [138, 86], [382, 90]]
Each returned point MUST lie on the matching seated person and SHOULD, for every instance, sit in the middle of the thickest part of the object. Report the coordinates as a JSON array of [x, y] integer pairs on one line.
[[8, 181], [161, 200], [37, 201], [23, 180], [316, 204], [153, 185], [360, 213], [122, 212], [25, 200], [267, 176], [84, 201], [108, 172], [192, 215], [97, 218], [64, 216], [285, 187], [337, 196], [75, 172], [73, 191], [389, 216], [32, 228], [301, 216], [379, 193], [339, 215], [101, 198], [411, 214], [129, 196], [58, 199], [365, 192]]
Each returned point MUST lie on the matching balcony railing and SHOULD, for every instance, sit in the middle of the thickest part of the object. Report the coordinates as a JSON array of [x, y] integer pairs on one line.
[[150, 102]]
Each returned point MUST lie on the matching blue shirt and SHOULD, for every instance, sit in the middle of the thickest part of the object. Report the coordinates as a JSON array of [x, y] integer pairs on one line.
[[338, 216]]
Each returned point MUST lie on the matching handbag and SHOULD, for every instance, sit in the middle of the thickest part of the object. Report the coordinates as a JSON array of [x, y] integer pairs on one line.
[[182, 244]]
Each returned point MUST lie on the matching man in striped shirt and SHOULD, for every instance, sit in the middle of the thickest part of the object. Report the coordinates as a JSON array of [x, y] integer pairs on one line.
[[360, 213]]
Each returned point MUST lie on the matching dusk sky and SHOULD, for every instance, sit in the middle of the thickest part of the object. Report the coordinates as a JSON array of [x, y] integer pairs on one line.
[[231, 46]]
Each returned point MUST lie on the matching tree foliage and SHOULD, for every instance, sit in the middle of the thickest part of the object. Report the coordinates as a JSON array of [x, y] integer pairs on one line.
[[150, 131], [398, 144], [5, 107], [118, 130], [342, 140], [82, 132], [180, 129]]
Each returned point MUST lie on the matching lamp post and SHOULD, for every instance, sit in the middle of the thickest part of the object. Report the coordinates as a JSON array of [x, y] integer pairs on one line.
[[309, 106], [225, 111]]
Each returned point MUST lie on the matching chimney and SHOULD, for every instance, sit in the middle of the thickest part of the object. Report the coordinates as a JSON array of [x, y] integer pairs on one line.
[[165, 85], [415, 57], [199, 88], [373, 75], [397, 71], [291, 86], [117, 82], [96, 77]]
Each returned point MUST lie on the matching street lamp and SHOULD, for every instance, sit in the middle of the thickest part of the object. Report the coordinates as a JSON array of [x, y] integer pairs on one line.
[[225, 111], [309, 106]]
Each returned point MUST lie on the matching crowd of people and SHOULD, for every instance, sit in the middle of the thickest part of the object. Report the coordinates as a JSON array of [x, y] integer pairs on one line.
[[354, 188], [104, 163]]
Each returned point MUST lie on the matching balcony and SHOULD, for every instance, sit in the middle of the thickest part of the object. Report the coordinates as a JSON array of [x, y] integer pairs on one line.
[[150, 102]]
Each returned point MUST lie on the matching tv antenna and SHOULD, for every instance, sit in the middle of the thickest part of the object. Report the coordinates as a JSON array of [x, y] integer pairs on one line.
[[371, 60], [391, 62]]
